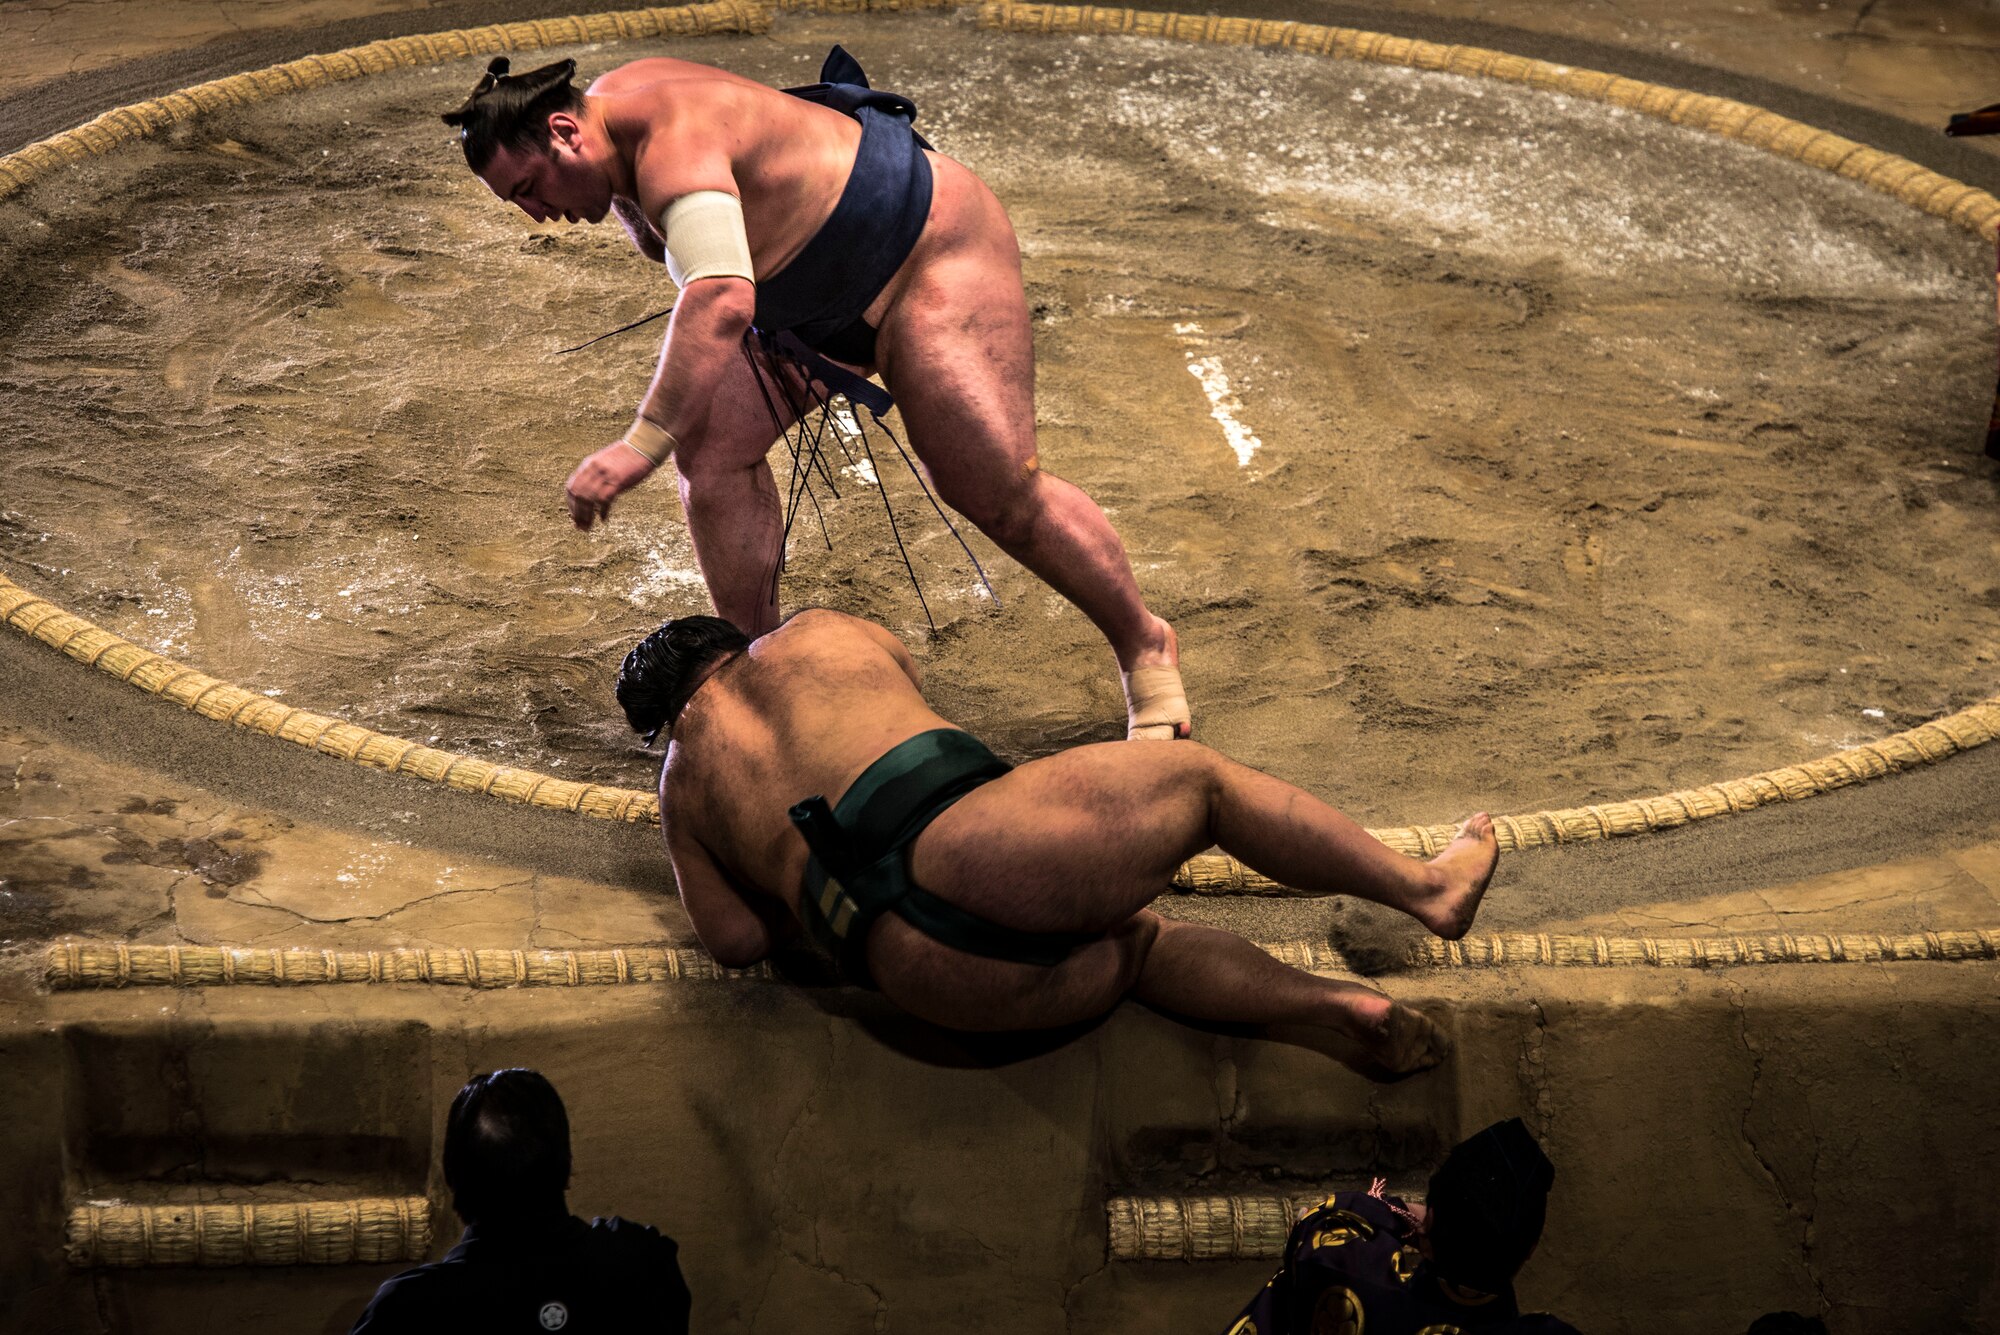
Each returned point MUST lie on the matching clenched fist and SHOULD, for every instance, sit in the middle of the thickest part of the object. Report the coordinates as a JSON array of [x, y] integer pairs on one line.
[[602, 478]]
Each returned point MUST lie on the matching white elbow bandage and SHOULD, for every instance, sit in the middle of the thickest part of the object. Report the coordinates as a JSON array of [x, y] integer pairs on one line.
[[705, 238]]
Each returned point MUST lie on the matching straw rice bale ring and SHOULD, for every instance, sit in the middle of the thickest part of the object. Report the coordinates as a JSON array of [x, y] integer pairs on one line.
[[133, 122], [1697, 111], [1314, 39], [1959, 208], [1762, 128], [222, 701], [303, 727], [96, 137], [84, 965], [153, 673], [32, 614], [1514, 950], [1891, 175], [1790, 139], [618, 804], [262, 714], [1858, 166], [428, 763], [514, 785], [1202, 1228], [1828, 151], [1980, 213], [71, 148], [1276, 33], [374, 58], [186, 687], [74, 965], [1548, 78], [338, 66], [365, 1230], [177, 106], [92, 646], [343, 741], [1934, 194], [1430, 56], [469, 775], [379, 751], [121, 660]]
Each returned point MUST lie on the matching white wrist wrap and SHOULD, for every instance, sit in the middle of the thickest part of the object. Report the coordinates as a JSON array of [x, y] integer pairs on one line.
[[705, 238], [650, 439]]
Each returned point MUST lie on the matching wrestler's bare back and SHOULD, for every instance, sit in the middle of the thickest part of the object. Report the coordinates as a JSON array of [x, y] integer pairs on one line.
[[799, 714], [803, 712]]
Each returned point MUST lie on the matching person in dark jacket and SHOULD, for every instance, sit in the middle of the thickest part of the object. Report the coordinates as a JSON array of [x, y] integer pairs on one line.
[[1366, 1260], [525, 1263]]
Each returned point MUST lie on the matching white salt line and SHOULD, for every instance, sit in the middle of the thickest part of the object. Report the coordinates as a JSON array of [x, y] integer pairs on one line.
[[1223, 405]]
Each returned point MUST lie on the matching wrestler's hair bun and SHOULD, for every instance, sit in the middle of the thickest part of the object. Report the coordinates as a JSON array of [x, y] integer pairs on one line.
[[511, 110], [663, 670]]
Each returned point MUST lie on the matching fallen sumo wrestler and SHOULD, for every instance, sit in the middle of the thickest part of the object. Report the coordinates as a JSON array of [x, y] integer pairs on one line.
[[816, 240], [808, 788]]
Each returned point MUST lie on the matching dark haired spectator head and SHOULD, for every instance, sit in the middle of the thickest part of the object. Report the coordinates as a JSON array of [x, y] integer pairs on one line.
[[506, 1147], [1486, 1207], [666, 668]]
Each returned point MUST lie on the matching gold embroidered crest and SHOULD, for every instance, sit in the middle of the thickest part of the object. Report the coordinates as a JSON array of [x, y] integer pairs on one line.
[[1338, 1313], [1342, 1227]]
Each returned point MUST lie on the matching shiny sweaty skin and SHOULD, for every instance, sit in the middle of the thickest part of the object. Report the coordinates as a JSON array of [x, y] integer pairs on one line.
[[658, 129], [1081, 841], [953, 344], [680, 127]]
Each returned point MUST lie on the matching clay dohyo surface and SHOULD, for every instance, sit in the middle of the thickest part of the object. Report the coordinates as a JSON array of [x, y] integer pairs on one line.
[[1486, 448]]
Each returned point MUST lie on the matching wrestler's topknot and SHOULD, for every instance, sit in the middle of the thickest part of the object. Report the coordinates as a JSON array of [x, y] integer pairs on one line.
[[512, 110], [664, 669]]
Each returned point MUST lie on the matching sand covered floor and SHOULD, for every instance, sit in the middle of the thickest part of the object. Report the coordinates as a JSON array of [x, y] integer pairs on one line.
[[1487, 448]]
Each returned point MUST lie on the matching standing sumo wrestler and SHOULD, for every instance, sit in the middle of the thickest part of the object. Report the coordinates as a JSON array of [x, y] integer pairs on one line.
[[813, 235]]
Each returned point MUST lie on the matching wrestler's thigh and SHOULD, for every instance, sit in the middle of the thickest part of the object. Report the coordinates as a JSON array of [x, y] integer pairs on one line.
[[958, 354], [960, 991], [1076, 842], [748, 410]]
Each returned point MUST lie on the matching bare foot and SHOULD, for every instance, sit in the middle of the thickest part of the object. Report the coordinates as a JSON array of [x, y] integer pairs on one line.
[[1462, 873], [1393, 1041]]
